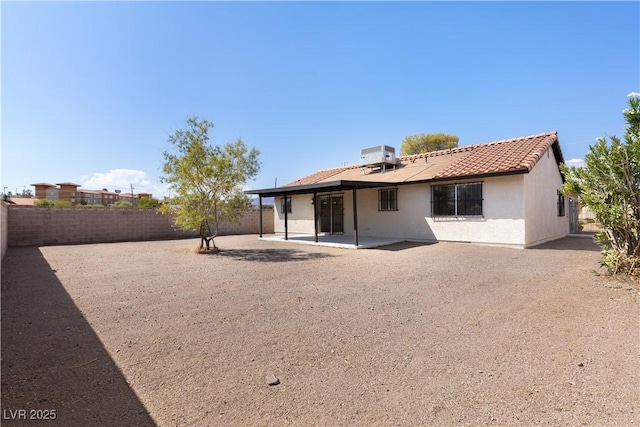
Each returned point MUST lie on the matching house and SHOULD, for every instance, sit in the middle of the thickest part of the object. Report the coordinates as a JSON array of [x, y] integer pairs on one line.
[[499, 193], [72, 193]]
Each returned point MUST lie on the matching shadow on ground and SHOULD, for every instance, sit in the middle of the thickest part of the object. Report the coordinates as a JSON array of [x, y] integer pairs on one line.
[[270, 255], [53, 363], [582, 243], [394, 247]]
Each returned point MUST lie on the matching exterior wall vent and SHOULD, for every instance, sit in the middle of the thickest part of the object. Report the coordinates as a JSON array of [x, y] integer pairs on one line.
[[379, 156]]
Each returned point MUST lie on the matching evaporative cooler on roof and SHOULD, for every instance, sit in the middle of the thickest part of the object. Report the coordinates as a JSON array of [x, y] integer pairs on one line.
[[378, 157]]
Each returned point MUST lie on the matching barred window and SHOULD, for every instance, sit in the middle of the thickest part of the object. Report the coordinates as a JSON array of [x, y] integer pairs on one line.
[[456, 199], [560, 204], [388, 199], [288, 205]]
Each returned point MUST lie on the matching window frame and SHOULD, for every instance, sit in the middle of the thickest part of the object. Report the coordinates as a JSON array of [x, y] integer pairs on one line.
[[390, 202], [562, 210], [453, 204], [282, 204]]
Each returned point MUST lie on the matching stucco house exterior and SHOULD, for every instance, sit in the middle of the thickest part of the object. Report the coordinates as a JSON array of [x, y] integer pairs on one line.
[[499, 193]]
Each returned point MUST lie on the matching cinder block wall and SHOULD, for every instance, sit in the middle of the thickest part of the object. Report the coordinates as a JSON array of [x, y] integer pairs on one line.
[[5, 223], [33, 226]]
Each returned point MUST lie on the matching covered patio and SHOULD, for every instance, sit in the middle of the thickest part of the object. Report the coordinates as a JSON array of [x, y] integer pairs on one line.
[[336, 240]]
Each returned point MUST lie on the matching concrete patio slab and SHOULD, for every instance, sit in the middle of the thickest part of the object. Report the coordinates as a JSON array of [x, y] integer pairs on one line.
[[335, 240]]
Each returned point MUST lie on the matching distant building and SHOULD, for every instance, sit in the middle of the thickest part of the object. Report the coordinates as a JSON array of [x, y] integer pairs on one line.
[[72, 193], [20, 201]]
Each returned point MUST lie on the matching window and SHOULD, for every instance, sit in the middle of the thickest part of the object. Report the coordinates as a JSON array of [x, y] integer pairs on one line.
[[560, 204], [456, 199], [388, 200], [288, 205]]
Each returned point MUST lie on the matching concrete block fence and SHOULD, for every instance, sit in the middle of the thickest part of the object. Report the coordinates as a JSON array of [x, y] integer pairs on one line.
[[5, 227], [34, 226]]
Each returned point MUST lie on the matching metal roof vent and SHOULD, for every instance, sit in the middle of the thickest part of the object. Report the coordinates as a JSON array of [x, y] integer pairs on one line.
[[378, 157]]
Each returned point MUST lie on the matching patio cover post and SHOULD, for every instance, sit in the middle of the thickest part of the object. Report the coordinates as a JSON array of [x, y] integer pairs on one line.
[[355, 217], [286, 224], [260, 215], [315, 214]]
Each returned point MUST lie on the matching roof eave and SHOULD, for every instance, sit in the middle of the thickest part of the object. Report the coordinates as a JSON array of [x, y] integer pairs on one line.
[[319, 187], [350, 185], [476, 176]]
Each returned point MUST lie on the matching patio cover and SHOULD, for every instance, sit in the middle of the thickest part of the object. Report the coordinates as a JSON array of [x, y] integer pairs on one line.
[[320, 187]]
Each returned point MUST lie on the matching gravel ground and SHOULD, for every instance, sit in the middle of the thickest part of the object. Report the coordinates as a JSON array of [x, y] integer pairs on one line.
[[410, 334]]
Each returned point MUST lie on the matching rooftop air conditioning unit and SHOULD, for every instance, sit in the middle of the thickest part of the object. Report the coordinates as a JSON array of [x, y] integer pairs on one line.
[[378, 156]]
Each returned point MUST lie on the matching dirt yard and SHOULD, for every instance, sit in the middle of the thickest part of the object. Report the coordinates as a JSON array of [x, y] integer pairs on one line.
[[443, 334]]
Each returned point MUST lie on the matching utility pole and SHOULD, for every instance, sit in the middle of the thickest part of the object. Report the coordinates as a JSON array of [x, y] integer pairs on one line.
[[132, 203]]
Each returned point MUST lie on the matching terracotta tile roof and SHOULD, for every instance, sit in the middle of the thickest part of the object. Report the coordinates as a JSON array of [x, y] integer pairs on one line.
[[511, 155], [21, 201], [516, 155], [318, 176]]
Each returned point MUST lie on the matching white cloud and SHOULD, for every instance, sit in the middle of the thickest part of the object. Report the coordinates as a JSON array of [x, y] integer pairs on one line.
[[123, 179], [575, 162]]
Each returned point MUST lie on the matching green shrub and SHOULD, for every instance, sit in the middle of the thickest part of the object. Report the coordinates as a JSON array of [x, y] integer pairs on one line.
[[609, 185], [44, 203], [122, 204], [62, 204], [148, 203]]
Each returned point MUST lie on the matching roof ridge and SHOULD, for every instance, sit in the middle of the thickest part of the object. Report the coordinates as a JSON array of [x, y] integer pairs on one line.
[[470, 147], [435, 153], [501, 141], [526, 160]]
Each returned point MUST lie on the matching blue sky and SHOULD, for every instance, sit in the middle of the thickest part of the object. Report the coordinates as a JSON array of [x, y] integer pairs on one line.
[[92, 90]]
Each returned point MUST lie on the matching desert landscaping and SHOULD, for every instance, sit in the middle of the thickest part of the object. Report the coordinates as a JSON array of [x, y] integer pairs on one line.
[[274, 333]]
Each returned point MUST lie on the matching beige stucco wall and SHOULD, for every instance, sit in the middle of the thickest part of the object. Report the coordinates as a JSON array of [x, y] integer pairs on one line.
[[408, 222], [502, 222], [300, 219], [541, 203], [507, 202]]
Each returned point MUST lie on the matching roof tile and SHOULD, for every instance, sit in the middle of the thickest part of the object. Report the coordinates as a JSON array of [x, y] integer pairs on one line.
[[517, 154], [318, 176], [494, 158]]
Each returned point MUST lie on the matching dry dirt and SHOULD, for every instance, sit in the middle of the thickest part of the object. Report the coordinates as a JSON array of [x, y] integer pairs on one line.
[[411, 334]]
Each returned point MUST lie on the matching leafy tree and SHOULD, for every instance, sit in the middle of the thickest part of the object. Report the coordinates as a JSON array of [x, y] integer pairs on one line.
[[26, 193], [425, 142], [207, 180], [147, 203], [609, 185]]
